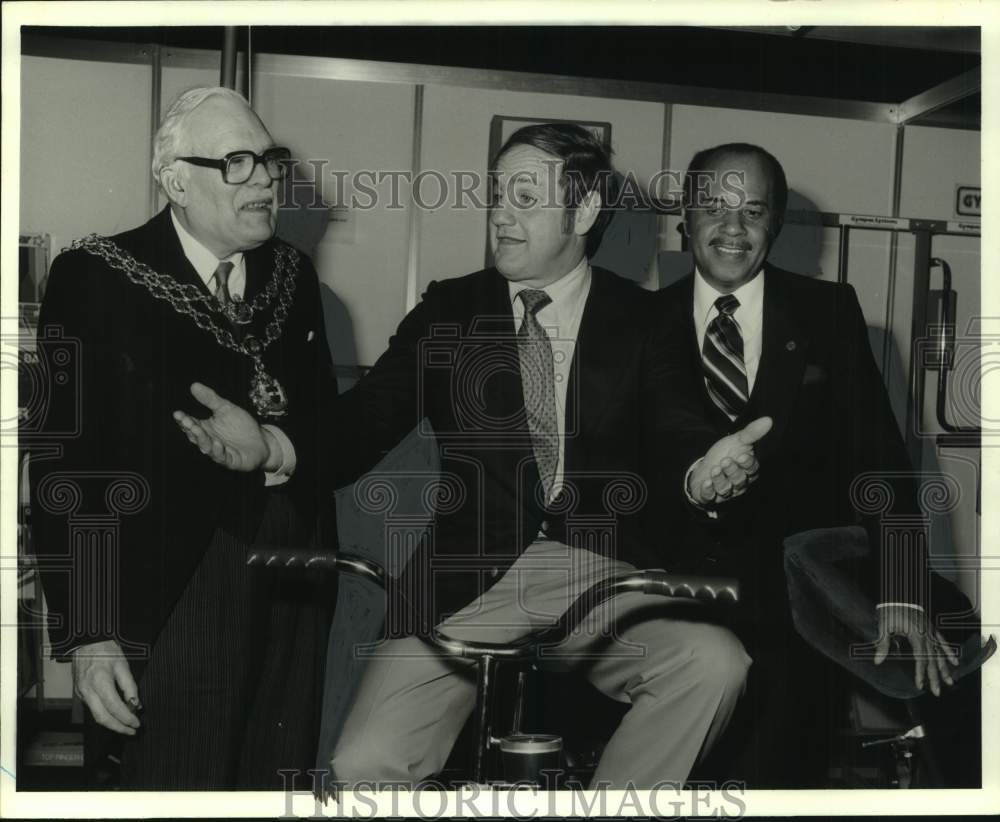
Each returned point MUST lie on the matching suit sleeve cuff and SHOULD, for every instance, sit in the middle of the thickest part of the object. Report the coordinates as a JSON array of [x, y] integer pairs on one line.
[[687, 492], [288, 458]]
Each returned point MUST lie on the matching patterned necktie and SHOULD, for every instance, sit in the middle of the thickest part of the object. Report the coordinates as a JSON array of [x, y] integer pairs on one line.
[[222, 273], [722, 360], [538, 381]]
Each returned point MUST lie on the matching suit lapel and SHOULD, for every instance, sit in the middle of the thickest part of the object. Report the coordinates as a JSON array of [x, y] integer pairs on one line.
[[492, 328], [782, 361], [600, 350], [258, 263], [166, 254], [686, 320]]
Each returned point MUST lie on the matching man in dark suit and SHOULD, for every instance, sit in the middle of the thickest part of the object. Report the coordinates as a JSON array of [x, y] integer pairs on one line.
[[545, 385], [761, 341], [209, 671]]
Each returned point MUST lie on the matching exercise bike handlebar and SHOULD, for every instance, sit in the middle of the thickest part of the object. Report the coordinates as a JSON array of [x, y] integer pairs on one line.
[[338, 561], [710, 590]]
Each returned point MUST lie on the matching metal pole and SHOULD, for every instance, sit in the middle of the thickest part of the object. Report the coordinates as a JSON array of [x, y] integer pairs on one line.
[[918, 330], [227, 67], [845, 247], [890, 290], [413, 224], [522, 680], [248, 77], [156, 93]]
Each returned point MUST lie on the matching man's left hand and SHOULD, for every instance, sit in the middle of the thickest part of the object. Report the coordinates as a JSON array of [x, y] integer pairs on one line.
[[729, 466], [931, 654]]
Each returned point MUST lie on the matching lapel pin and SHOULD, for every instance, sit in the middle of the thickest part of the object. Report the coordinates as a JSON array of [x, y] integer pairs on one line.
[[790, 345], [310, 335]]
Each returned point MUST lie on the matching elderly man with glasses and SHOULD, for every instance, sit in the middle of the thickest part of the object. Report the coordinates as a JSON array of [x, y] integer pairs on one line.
[[206, 671]]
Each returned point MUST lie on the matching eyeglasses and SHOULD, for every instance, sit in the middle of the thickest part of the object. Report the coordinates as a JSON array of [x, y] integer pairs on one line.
[[238, 166]]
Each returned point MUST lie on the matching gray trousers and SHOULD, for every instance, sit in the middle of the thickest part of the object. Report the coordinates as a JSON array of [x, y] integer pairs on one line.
[[682, 677]]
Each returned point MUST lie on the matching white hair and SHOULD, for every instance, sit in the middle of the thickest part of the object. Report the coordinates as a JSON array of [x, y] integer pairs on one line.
[[172, 133]]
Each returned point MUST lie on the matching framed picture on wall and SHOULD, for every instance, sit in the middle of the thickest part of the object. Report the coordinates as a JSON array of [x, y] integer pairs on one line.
[[502, 126]]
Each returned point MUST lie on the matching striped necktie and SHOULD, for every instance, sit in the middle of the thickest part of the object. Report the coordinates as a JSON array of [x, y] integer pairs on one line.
[[722, 360], [538, 382]]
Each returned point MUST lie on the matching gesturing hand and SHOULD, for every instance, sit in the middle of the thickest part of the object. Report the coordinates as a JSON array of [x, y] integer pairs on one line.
[[100, 671], [931, 654], [729, 466], [231, 436]]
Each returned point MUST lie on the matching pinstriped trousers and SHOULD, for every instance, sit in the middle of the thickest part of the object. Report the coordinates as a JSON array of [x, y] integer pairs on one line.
[[232, 690]]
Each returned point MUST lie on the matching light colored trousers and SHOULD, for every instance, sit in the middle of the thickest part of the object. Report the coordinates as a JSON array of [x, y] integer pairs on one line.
[[682, 677]]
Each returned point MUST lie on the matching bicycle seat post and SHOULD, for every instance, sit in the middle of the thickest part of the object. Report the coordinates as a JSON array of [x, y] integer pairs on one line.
[[487, 665], [519, 697]]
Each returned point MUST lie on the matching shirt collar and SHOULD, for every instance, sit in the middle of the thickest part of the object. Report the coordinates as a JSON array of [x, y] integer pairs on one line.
[[750, 295], [203, 260], [564, 292]]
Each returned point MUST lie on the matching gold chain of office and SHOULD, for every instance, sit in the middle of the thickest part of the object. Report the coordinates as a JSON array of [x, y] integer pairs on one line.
[[266, 393], [183, 297]]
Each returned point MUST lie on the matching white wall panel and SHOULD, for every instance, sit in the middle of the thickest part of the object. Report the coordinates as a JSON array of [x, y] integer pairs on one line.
[[351, 127], [836, 164], [177, 79], [85, 129]]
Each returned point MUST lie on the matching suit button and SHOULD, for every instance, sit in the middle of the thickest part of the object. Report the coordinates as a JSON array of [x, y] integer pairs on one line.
[[494, 573], [545, 526]]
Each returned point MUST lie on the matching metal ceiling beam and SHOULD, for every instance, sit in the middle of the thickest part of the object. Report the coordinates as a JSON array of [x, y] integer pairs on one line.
[[959, 39], [337, 68], [957, 88]]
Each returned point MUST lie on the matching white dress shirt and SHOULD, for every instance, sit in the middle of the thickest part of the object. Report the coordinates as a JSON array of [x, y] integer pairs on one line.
[[749, 316], [561, 321], [205, 262]]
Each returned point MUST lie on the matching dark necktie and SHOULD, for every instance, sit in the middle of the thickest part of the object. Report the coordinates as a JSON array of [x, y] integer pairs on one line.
[[222, 273], [722, 360], [227, 302], [538, 381]]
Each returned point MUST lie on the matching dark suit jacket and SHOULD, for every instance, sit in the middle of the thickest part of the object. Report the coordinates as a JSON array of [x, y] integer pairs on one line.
[[123, 469], [818, 380], [453, 362]]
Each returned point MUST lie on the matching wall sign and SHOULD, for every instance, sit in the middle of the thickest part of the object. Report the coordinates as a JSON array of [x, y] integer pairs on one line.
[[967, 201], [866, 221], [962, 227]]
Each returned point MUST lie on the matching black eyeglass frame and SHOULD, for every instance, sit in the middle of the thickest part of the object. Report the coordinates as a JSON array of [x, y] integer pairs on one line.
[[258, 159]]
